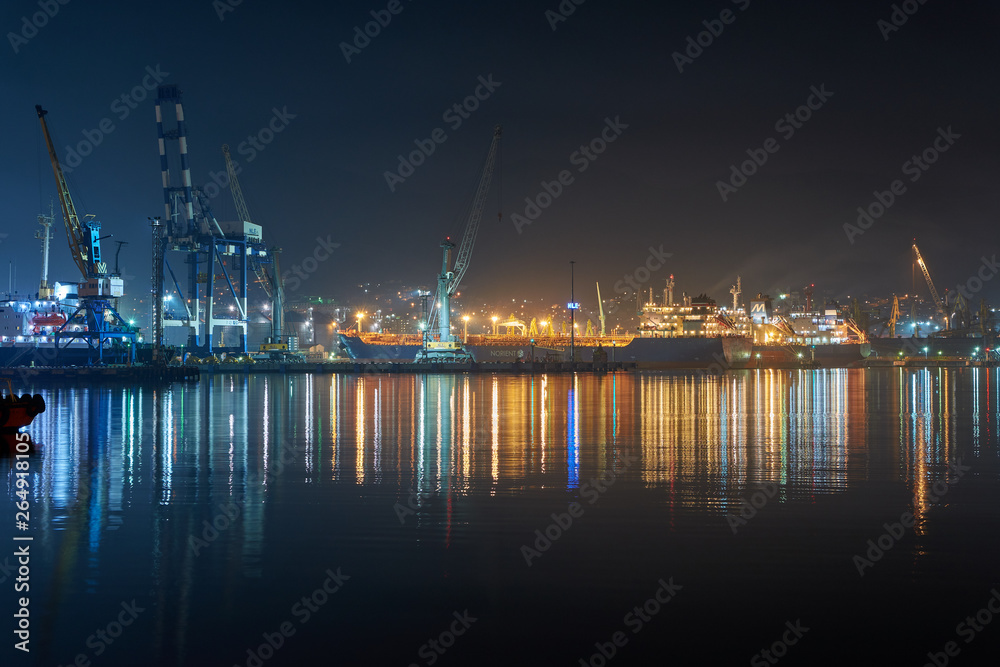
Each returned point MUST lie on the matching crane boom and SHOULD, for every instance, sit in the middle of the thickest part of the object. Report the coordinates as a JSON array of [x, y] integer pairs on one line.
[[80, 241], [267, 283], [475, 215], [234, 186], [600, 307], [95, 309], [930, 283], [442, 345]]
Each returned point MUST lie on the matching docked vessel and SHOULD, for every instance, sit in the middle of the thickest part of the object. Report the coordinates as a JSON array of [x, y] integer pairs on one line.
[[689, 335], [783, 338], [650, 352], [28, 329], [694, 333]]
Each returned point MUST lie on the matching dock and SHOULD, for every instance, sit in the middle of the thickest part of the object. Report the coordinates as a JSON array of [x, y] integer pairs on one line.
[[397, 367], [100, 374]]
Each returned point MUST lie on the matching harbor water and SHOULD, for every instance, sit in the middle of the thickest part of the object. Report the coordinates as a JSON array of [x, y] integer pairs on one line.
[[793, 517]]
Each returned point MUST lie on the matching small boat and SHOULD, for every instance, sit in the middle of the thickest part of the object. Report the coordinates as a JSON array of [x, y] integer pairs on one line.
[[16, 412]]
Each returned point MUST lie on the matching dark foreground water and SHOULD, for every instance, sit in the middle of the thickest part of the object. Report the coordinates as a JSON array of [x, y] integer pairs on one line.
[[547, 520]]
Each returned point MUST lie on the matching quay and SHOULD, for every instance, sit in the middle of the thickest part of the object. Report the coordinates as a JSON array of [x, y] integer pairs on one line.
[[96, 374], [388, 367]]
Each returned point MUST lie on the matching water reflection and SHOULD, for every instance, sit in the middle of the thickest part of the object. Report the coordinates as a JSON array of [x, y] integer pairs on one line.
[[807, 430], [162, 462]]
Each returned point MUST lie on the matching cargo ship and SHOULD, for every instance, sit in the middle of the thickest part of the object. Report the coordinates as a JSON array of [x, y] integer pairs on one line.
[[806, 338]]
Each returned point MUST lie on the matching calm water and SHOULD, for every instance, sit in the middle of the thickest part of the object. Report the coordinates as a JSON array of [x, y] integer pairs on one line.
[[392, 520]]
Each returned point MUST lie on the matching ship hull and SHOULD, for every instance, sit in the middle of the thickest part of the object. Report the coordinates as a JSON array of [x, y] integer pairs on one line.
[[842, 355], [647, 353], [29, 354], [891, 348]]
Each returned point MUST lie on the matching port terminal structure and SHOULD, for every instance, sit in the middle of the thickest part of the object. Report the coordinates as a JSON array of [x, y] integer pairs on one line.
[[212, 252]]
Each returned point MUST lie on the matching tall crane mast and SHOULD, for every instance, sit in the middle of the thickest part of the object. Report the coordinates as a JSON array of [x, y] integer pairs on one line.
[[45, 236], [736, 290], [930, 283], [442, 346]]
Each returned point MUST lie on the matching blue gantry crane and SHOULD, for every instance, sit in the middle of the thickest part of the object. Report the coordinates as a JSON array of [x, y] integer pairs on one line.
[[212, 251]]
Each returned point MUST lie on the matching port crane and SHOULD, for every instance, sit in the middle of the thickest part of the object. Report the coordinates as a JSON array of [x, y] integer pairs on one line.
[[600, 308], [930, 283], [217, 258], [95, 307], [438, 342], [890, 324], [271, 284]]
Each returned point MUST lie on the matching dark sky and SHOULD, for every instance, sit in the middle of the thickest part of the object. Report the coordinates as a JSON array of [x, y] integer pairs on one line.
[[655, 185]]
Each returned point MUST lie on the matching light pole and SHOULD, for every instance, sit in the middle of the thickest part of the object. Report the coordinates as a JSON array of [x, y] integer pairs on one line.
[[465, 337], [572, 315], [360, 317], [494, 318]]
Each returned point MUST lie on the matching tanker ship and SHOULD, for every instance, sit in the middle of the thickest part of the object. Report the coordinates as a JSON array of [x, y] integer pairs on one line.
[[694, 334], [682, 336]]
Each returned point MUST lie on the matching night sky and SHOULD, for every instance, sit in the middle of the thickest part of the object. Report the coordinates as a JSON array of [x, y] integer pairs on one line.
[[886, 94]]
